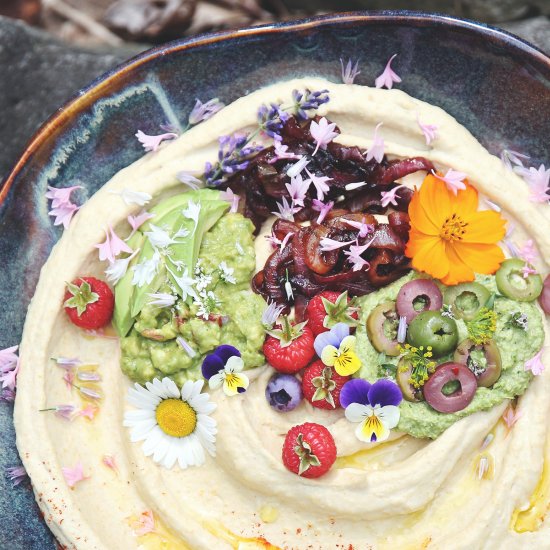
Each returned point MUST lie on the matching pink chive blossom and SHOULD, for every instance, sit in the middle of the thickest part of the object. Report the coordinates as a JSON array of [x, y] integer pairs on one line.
[[64, 214], [376, 150], [453, 179], [511, 159], [355, 185], [89, 411], [390, 197], [350, 71], [364, 228], [528, 253], [354, 255], [61, 196], [7, 395], [231, 198], [152, 143], [298, 188], [110, 462], [273, 240], [511, 416], [9, 368], [327, 245], [429, 130], [285, 240], [144, 524], [68, 378], [320, 184], [62, 411], [67, 363], [281, 152], [203, 111], [297, 167], [388, 76], [74, 475], [322, 208], [286, 210], [271, 313], [538, 181], [8, 358], [112, 246], [190, 180], [17, 474], [526, 270], [137, 221], [535, 364], [322, 132]]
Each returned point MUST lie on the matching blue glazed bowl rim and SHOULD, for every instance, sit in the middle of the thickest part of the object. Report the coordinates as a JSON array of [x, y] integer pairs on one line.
[[90, 93]]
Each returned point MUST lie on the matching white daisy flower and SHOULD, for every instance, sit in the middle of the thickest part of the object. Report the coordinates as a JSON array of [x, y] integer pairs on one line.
[[174, 425]]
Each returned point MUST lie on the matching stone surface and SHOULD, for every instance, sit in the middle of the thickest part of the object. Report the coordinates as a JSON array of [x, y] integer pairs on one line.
[[535, 30]]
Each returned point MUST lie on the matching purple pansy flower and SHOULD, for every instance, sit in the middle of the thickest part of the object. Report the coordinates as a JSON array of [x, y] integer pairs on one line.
[[223, 367], [374, 406]]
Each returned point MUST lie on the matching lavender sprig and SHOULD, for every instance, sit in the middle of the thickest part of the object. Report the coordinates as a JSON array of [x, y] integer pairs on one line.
[[307, 100], [271, 120]]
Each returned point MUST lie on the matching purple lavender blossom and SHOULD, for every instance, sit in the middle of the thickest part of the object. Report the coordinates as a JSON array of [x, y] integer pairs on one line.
[[16, 474], [203, 111], [271, 119], [307, 100]]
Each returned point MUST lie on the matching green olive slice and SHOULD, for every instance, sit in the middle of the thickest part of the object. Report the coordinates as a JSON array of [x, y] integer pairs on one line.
[[483, 360], [433, 329], [466, 299], [513, 284], [382, 326]]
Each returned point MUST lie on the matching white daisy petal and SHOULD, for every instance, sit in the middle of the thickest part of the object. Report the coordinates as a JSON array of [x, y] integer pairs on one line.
[[140, 414], [171, 388], [187, 390], [142, 430], [161, 449], [171, 456], [152, 441]]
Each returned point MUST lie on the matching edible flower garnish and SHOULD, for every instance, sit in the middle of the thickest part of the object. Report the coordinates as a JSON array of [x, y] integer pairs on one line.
[[152, 143], [110, 462], [133, 197], [112, 246], [297, 189], [190, 180], [402, 329], [60, 196], [322, 208], [62, 411], [482, 327], [376, 149], [203, 111], [270, 315], [118, 268], [9, 368], [281, 152], [375, 406], [174, 425], [297, 167], [528, 253], [322, 132], [511, 159], [449, 239], [327, 245], [365, 229], [286, 210], [144, 524], [89, 411], [538, 181], [350, 71], [307, 100], [162, 299], [419, 361], [511, 416], [17, 474], [271, 119], [223, 368], [232, 198], [484, 466], [320, 184], [62, 208], [535, 364], [74, 475], [137, 221], [354, 255], [454, 180], [388, 76], [390, 197], [336, 348], [429, 130]]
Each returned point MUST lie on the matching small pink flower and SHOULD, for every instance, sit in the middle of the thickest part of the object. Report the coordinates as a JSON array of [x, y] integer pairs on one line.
[[117, 244], [60, 196], [376, 150], [286, 210], [16, 474], [364, 228], [145, 524], [535, 364], [528, 253], [8, 358], [63, 214], [152, 143], [7, 395], [8, 375], [322, 208], [354, 256], [350, 71], [190, 180], [64, 411], [453, 179], [89, 411], [322, 132], [281, 152], [273, 240], [390, 197], [231, 198], [320, 184], [74, 475], [112, 246], [429, 130], [327, 245], [285, 240], [137, 221], [298, 188], [203, 111], [68, 363], [538, 181], [388, 76], [297, 167], [526, 270], [110, 462], [511, 416], [68, 378], [512, 158]]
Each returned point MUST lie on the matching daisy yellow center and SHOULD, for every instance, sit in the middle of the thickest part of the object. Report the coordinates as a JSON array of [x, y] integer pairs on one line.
[[453, 228], [176, 418]]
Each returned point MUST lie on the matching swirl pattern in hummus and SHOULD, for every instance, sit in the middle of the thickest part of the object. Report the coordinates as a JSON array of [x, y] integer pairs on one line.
[[404, 493]]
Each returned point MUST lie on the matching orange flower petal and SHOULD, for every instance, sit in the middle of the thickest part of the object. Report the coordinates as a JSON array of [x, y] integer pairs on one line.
[[419, 219], [482, 258], [466, 200], [428, 254], [435, 199], [459, 272], [486, 227]]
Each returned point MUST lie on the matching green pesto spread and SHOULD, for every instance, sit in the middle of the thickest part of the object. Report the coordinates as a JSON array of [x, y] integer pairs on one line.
[[515, 344], [231, 316]]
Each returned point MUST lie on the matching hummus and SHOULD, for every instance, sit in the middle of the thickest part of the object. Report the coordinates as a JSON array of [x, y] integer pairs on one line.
[[403, 493]]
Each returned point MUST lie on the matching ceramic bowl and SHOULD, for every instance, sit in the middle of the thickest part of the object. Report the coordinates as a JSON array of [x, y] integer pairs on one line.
[[493, 83]]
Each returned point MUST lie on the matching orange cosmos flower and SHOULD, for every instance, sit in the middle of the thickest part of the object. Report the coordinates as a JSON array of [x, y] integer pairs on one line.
[[449, 239]]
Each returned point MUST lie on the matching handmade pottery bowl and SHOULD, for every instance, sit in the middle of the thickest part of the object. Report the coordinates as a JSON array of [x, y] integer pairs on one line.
[[493, 83]]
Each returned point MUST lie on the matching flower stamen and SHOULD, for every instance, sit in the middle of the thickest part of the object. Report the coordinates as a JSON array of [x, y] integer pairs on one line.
[[176, 418]]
